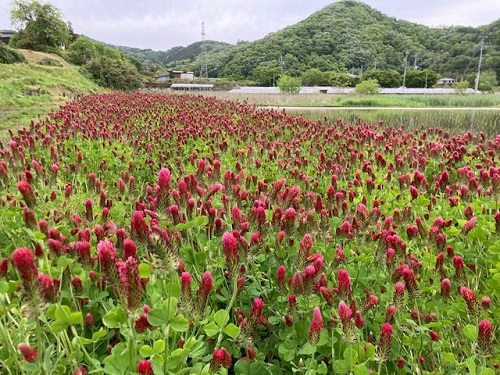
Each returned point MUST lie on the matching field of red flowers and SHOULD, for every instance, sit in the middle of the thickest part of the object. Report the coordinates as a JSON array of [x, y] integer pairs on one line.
[[158, 234]]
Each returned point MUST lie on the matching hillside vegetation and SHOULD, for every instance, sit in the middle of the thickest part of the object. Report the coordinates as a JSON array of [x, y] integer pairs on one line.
[[346, 36], [57, 82]]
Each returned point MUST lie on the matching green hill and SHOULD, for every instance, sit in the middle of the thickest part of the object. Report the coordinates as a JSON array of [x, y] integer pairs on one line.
[[347, 36], [350, 35], [175, 56], [31, 89]]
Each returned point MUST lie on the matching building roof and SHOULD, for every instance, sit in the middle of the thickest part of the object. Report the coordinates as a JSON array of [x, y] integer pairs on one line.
[[197, 86]]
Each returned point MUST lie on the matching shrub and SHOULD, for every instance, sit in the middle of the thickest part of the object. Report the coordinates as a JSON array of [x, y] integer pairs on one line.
[[289, 85], [368, 87], [9, 56]]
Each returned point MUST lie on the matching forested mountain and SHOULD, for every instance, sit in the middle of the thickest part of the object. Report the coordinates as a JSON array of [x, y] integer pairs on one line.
[[346, 36], [174, 56]]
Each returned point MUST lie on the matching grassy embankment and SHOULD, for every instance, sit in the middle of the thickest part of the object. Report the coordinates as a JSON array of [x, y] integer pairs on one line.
[[17, 108]]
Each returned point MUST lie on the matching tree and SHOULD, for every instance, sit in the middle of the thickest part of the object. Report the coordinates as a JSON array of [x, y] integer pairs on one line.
[[81, 51], [340, 79], [368, 87], [265, 74], [40, 26], [113, 73], [386, 78], [315, 77], [289, 85], [460, 87], [421, 78]]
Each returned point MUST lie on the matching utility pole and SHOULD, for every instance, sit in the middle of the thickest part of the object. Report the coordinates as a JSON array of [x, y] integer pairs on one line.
[[415, 66], [282, 63], [476, 85], [204, 67], [404, 71]]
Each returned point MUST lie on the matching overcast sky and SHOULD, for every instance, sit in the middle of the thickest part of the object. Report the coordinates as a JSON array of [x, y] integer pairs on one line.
[[160, 24]]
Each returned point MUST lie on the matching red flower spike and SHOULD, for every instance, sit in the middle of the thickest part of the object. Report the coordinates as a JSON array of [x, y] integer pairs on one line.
[[484, 337], [251, 353], [292, 302], [399, 293], [400, 362], [142, 324], [410, 283], [433, 335], [230, 247], [139, 228], [131, 285], [220, 358], [316, 326], [391, 312], [280, 276], [106, 254], [29, 354], [186, 293], [304, 250], [83, 251], [445, 288], [469, 225], [81, 370], [163, 187], [344, 284], [23, 260], [129, 249], [369, 303], [327, 295], [203, 292], [257, 307], [27, 193], [345, 312], [47, 287], [358, 319], [384, 346], [486, 302], [4, 267], [144, 367], [89, 320], [471, 301]]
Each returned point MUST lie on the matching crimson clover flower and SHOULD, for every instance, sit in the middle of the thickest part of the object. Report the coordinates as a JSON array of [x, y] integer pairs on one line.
[[384, 346], [484, 337], [220, 358], [144, 367], [29, 354], [316, 326]]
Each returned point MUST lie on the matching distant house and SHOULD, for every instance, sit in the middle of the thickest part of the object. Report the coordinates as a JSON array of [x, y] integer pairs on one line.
[[176, 74], [445, 82], [5, 35]]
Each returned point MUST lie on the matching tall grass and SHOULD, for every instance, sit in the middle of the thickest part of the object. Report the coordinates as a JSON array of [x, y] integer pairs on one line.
[[342, 100], [453, 121]]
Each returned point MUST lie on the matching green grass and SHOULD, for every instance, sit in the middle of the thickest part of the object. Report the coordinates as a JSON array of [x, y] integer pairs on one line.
[[17, 108], [337, 100], [486, 100]]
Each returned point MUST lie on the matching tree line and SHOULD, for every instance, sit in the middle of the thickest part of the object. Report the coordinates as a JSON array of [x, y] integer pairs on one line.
[[343, 44], [41, 28]]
